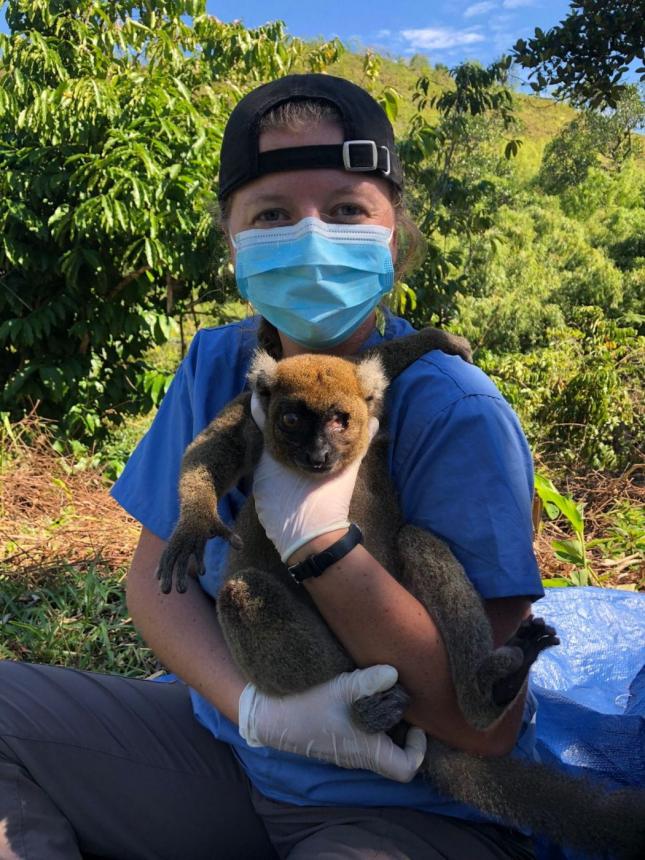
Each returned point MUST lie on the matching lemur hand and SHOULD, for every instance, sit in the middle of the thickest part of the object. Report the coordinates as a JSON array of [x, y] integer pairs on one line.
[[294, 508], [317, 724]]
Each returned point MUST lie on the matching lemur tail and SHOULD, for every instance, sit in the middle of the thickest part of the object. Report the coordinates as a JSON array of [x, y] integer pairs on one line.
[[574, 812]]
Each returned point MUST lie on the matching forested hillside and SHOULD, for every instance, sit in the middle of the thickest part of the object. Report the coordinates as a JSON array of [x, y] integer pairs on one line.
[[532, 214], [540, 119]]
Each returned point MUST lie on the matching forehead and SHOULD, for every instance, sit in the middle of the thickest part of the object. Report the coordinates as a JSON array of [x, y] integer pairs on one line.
[[321, 380], [300, 185]]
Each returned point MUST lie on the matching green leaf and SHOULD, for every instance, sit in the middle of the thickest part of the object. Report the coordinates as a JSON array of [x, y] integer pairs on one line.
[[569, 551], [579, 576], [150, 251], [162, 328], [565, 504], [389, 101], [555, 582]]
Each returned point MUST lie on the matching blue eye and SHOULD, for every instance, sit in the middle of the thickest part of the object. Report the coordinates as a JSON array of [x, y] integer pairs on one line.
[[349, 210], [270, 215]]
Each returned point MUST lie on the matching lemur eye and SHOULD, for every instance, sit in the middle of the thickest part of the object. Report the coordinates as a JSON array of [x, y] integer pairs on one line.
[[290, 420], [340, 421]]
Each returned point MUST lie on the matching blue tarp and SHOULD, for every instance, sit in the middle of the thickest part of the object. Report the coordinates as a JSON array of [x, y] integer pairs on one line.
[[591, 689]]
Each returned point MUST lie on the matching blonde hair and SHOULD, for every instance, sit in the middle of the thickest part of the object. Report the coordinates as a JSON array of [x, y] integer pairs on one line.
[[300, 113]]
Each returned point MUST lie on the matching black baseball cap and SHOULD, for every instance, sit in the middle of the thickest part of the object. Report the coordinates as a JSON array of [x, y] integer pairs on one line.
[[369, 138]]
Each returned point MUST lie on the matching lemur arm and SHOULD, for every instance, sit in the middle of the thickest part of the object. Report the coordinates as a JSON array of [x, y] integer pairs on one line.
[[399, 353], [216, 459]]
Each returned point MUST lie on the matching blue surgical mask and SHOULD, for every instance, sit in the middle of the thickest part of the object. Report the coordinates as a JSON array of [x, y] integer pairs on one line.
[[315, 282]]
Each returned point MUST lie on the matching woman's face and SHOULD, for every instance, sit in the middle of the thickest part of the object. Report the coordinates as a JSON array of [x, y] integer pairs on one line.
[[334, 196]]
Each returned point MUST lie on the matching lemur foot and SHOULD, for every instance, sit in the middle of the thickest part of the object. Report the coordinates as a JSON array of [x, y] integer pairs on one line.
[[381, 711], [236, 601], [497, 666], [533, 636]]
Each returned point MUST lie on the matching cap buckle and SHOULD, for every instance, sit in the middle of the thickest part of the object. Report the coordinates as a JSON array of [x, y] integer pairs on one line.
[[386, 172], [347, 156]]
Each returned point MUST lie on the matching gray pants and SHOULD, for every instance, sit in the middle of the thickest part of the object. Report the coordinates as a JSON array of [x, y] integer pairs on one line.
[[103, 766]]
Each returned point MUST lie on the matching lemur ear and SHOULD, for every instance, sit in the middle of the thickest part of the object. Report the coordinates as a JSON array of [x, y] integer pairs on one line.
[[372, 380], [262, 374]]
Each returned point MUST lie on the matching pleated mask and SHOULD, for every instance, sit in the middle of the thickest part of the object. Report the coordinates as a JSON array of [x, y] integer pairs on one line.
[[315, 282]]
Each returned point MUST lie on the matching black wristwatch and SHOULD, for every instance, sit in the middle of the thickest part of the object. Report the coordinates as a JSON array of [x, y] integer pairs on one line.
[[318, 563]]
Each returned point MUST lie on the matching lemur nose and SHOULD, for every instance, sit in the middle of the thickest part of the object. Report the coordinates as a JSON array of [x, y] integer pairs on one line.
[[319, 458]]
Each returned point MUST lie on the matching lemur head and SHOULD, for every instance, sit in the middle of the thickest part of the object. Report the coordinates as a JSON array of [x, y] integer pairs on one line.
[[317, 407]]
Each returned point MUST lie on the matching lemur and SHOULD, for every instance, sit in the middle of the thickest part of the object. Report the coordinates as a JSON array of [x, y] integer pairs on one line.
[[281, 642]]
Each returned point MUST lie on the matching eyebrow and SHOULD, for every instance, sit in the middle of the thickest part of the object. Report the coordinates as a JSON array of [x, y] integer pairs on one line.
[[347, 189], [277, 197], [267, 198]]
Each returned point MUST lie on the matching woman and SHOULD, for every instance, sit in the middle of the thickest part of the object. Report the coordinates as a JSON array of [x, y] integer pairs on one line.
[[141, 777]]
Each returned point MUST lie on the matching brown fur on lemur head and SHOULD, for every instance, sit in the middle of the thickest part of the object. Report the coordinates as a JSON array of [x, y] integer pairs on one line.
[[318, 407]]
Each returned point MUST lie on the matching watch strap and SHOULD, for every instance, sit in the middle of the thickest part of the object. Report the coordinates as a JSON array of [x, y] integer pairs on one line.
[[317, 564]]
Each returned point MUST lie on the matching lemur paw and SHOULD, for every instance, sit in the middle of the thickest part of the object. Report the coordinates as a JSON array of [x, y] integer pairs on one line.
[[381, 711], [502, 663], [184, 553], [532, 637]]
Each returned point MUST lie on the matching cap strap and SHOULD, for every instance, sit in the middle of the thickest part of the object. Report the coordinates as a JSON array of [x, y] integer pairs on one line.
[[355, 155]]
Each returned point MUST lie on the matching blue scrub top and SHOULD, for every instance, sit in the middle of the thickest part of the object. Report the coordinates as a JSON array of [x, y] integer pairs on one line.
[[462, 469]]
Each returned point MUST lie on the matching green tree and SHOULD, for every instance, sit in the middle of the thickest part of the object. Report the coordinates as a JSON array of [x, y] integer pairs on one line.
[[452, 165], [111, 117], [419, 63], [586, 56], [592, 138]]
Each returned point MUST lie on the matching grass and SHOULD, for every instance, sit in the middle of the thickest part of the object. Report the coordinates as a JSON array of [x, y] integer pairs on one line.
[[76, 617], [624, 534], [65, 546]]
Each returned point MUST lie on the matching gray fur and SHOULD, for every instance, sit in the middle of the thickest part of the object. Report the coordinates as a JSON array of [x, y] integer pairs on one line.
[[440, 584], [578, 812]]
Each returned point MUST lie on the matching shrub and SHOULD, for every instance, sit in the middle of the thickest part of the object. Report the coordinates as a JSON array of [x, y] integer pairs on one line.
[[580, 398]]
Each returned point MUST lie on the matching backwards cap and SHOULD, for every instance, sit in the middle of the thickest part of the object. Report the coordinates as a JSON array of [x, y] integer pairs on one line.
[[368, 136]]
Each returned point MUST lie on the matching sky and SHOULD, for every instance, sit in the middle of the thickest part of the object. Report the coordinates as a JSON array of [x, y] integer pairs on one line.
[[447, 31]]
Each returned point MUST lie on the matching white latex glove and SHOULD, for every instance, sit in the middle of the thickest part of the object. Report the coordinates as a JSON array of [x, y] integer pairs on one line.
[[317, 724], [294, 508]]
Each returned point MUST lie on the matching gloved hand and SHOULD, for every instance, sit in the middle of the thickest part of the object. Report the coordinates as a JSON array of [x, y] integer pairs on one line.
[[307, 507], [317, 724]]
